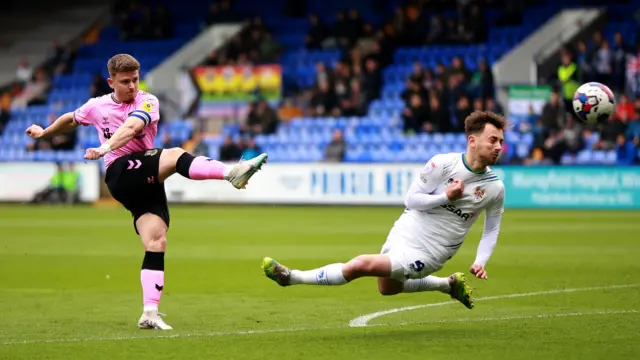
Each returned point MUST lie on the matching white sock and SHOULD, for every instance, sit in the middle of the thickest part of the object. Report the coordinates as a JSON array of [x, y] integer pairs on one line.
[[227, 170], [328, 275], [429, 283]]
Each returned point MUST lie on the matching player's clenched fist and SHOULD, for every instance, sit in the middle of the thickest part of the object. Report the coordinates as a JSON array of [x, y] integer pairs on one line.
[[479, 271], [454, 190], [94, 154], [34, 132]]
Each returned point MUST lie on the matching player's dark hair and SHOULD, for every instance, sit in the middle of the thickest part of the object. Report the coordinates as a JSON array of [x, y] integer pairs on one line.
[[477, 120], [122, 63]]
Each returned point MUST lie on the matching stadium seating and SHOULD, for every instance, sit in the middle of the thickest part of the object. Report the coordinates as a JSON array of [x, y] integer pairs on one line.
[[374, 137]]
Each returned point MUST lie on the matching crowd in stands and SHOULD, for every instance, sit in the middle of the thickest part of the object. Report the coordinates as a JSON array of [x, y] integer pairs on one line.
[[254, 45], [557, 131], [440, 101], [140, 21], [435, 99], [33, 83]]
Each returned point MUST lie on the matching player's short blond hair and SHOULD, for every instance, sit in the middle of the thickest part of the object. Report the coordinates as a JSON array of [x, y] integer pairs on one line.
[[477, 120], [122, 63]]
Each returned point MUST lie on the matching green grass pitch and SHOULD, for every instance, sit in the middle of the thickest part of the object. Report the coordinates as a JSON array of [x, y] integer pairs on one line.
[[69, 287]]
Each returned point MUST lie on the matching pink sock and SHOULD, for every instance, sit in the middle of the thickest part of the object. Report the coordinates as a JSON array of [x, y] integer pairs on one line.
[[152, 285], [203, 168]]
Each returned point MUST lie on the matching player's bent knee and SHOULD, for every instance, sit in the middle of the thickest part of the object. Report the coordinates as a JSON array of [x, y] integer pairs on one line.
[[157, 244], [360, 265], [168, 162], [171, 155], [367, 265], [388, 287]]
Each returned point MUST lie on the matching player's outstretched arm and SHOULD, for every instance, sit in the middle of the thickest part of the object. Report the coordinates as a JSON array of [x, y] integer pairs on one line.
[[489, 238], [120, 138], [64, 124], [487, 245]]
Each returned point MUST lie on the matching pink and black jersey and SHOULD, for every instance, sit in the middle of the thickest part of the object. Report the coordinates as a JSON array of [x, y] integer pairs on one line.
[[107, 115]]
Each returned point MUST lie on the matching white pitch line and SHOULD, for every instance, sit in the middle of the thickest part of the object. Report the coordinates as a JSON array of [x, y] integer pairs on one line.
[[507, 318], [363, 320], [293, 330], [316, 328]]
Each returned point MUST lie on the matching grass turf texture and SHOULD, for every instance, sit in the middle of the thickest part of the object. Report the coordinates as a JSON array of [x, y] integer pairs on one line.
[[69, 287]]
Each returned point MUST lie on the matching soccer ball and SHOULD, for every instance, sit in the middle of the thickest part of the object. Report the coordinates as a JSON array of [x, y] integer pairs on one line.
[[593, 103]]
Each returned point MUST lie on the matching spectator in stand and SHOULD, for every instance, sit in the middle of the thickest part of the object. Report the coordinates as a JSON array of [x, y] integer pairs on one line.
[[478, 104], [493, 106], [625, 109], [463, 109], [197, 146], [633, 72], [318, 32], [415, 115], [459, 70], [573, 135], [24, 73], [552, 115], [336, 149], [610, 131], [323, 75], [621, 52], [481, 81], [262, 119], [289, 110], [414, 87], [340, 31], [229, 150], [251, 149], [324, 101], [5, 110], [626, 152], [568, 79], [604, 63], [372, 80], [583, 62], [35, 92], [439, 118], [54, 57]]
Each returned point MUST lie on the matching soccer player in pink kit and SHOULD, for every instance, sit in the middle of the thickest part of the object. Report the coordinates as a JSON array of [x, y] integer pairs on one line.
[[127, 124]]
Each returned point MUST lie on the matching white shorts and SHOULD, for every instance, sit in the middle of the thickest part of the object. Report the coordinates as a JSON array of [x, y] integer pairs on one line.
[[408, 261]]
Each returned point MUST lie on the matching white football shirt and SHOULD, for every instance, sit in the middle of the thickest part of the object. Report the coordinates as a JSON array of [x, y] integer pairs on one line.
[[442, 229]]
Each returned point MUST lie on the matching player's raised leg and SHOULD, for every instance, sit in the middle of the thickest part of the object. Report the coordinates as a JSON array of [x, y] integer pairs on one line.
[[202, 168], [153, 232]]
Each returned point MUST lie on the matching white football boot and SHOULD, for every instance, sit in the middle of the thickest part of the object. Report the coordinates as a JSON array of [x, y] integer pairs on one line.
[[241, 173], [151, 319]]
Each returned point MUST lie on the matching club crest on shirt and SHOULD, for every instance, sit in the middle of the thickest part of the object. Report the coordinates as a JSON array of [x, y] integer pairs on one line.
[[146, 106], [478, 193], [428, 170]]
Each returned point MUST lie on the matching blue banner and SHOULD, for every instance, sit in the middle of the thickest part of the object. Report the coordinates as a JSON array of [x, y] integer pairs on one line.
[[567, 187]]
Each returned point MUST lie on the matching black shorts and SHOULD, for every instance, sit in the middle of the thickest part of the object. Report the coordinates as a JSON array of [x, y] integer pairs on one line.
[[133, 181]]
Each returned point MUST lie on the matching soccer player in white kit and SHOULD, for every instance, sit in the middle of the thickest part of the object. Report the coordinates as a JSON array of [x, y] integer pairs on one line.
[[441, 206]]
